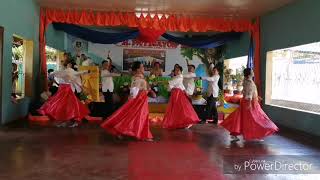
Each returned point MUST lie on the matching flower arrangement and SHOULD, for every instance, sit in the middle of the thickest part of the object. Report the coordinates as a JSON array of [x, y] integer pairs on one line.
[[125, 88], [83, 96], [152, 77], [198, 90]]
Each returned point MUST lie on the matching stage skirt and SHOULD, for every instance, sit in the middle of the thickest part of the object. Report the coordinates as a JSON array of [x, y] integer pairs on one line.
[[251, 123], [179, 113], [132, 119], [64, 106]]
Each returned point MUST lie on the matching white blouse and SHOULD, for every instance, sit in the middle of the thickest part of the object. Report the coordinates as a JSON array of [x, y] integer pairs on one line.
[[188, 82], [107, 80], [176, 82], [70, 76], [213, 88], [137, 84], [249, 89]]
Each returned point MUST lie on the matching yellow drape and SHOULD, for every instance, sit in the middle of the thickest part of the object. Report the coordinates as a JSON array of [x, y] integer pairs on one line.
[[90, 82]]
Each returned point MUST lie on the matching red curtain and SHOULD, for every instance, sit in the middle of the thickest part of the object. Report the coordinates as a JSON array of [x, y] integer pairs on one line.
[[257, 62], [172, 23], [42, 49]]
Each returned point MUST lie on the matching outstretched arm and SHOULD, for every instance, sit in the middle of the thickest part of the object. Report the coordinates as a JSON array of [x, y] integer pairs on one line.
[[189, 75], [110, 74], [79, 73], [211, 79]]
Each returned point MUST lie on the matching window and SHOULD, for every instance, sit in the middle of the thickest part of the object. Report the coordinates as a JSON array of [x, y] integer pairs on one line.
[[18, 67], [233, 73], [53, 57], [293, 78], [22, 67]]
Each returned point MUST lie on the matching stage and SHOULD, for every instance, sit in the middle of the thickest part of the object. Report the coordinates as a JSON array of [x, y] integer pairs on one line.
[[100, 112]]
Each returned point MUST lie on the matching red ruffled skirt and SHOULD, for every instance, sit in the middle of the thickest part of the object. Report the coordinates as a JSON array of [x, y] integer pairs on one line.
[[132, 119], [179, 113], [251, 123], [64, 106]]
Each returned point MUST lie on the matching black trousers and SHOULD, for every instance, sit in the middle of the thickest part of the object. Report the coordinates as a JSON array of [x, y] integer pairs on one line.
[[108, 97], [53, 90], [211, 109]]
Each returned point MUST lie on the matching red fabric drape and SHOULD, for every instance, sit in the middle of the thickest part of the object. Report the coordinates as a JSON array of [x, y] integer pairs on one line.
[[172, 23], [257, 72], [149, 35], [42, 49]]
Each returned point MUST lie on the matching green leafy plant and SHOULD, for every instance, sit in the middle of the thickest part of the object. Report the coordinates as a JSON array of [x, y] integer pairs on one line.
[[239, 75], [17, 52], [227, 77]]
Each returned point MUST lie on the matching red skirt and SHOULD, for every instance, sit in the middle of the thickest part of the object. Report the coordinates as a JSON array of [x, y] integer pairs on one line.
[[64, 106], [251, 123], [179, 113], [132, 119]]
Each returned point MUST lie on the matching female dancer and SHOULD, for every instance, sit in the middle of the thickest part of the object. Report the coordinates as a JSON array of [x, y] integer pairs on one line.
[[179, 113], [132, 118], [249, 119], [64, 105]]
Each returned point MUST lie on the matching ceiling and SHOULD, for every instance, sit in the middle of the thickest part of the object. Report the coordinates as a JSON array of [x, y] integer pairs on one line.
[[211, 8]]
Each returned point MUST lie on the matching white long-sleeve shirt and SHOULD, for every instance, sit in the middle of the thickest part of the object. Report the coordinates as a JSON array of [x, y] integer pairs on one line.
[[213, 88], [87, 62], [107, 80], [70, 76], [188, 82], [176, 82]]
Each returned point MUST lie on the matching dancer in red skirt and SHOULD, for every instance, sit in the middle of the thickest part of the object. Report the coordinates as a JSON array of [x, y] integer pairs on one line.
[[132, 119], [179, 113], [64, 106], [249, 119]]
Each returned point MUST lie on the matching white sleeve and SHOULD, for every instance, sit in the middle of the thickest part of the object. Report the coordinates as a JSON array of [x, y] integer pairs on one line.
[[78, 73], [114, 74], [59, 74], [211, 79], [108, 74], [189, 75], [134, 91]]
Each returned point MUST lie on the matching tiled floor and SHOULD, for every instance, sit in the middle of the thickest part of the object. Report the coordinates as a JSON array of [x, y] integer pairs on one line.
[[88, 153]]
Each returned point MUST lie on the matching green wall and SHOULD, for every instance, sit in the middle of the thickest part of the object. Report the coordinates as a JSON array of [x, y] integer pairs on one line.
[[238, 47], [55, 39], [295, 24], [20, 18]]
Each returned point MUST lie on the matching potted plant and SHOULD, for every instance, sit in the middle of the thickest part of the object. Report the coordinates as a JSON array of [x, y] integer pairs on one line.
[[239, 78]]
